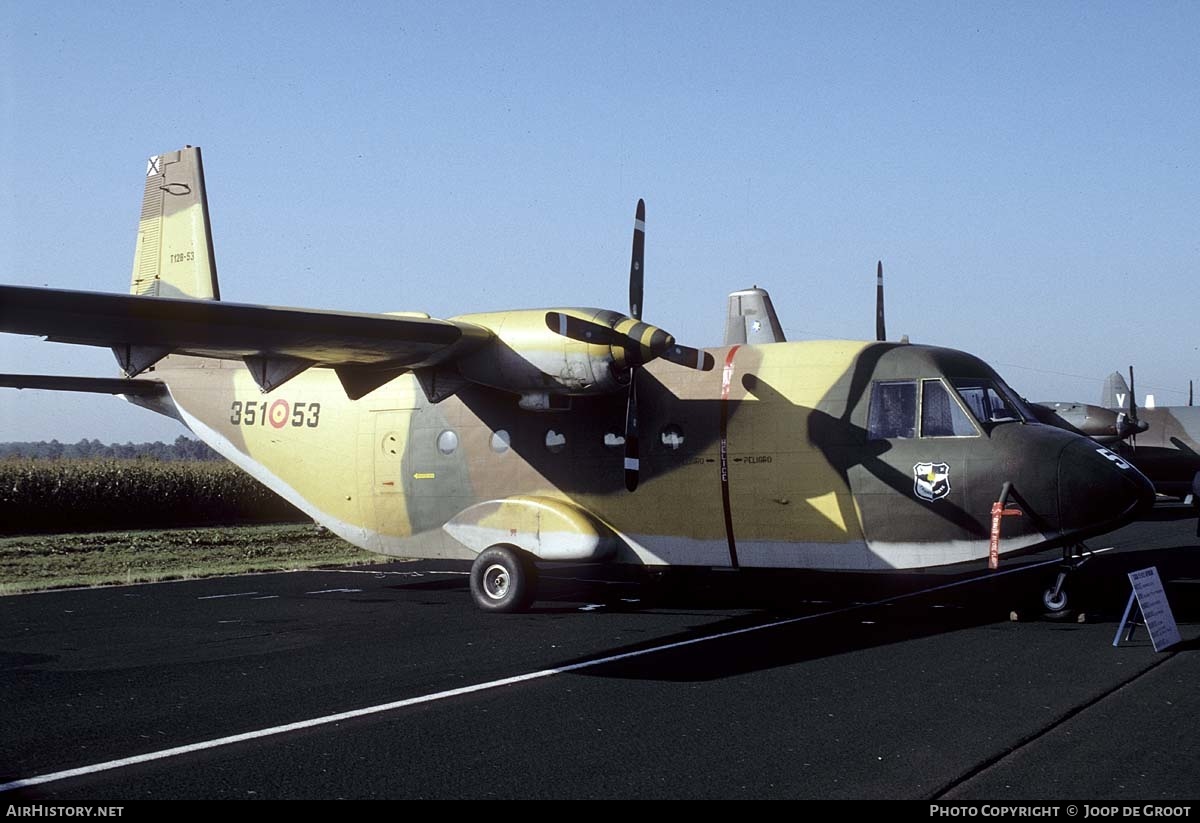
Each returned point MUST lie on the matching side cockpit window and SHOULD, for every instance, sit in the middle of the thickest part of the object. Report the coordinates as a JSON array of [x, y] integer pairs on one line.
[[987, 402], [941, 415], [893, 411]]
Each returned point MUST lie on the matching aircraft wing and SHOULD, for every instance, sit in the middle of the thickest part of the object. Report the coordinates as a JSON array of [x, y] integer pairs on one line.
[[276, 343]]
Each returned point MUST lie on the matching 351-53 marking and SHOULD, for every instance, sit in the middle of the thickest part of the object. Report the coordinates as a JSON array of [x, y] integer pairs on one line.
[[275, 413]]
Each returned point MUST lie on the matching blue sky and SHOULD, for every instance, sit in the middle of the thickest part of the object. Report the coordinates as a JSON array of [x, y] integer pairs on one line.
[[1029, 173]]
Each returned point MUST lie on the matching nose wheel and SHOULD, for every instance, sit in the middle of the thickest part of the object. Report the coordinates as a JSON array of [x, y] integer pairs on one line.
[[1055, 599]]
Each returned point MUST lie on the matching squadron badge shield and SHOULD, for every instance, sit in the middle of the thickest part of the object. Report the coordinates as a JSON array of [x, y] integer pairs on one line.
[[931, 480]]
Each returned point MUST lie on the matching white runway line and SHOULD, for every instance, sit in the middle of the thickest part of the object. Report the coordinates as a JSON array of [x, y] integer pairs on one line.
[[219, 596], [163, 754], [382, 573]]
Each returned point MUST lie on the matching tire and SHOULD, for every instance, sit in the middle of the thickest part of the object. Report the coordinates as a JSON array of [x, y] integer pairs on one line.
[[503, 580], [1052, 604]]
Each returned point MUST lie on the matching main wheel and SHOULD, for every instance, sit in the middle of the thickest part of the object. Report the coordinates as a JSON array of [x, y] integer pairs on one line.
[[503, 580]]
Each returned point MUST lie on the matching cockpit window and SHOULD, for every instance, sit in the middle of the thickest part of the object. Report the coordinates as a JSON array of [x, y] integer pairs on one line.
[[989, 402], [941, 414], [893, 411]]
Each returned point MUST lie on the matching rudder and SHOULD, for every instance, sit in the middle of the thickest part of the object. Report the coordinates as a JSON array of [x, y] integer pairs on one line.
[[174, 255]]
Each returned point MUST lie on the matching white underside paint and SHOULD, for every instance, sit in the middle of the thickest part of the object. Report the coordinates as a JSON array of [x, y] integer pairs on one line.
[[922, 555], [657, 550], [546, 545]]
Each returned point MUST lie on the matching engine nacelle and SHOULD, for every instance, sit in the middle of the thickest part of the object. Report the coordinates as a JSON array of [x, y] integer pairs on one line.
[[528, 358], [1101, 424]]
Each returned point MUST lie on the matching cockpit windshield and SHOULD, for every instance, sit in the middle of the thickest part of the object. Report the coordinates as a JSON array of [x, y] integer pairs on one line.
[[989, 401]]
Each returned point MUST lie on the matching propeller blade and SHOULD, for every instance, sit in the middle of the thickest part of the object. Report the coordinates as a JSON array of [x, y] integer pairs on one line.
[[641, 341], [880, 330], [1133, 418], [585, 331], [1132, 396], [1190, 392], [692, 358], [635, 264], [632, 464]]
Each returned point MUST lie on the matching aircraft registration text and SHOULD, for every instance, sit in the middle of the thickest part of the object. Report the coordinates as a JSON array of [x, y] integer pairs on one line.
[[275, 413]]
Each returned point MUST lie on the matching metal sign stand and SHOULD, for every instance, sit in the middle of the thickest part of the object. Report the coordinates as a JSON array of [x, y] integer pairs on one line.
[[1130, 620]]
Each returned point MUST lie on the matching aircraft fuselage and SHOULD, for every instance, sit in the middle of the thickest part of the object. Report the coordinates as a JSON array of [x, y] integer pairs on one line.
[[769, 460]]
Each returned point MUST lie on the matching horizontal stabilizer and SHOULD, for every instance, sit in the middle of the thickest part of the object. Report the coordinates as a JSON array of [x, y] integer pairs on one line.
[[95, 385]]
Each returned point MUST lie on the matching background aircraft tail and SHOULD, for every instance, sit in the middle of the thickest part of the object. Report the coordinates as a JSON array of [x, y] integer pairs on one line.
[[751, 318], [1115, 394], [174, 256]]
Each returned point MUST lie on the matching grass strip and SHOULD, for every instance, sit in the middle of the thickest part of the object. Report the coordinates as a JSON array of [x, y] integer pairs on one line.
[[49, 561]]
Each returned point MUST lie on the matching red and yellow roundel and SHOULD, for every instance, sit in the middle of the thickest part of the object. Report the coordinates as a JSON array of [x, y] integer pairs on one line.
[[279, 413]]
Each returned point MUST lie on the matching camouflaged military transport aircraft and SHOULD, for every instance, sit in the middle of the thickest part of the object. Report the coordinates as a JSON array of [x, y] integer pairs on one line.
[[513, 437]]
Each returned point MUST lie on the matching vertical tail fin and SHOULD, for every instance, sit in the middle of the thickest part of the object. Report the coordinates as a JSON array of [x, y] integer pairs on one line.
[[174, 256], [751, 318], [1115, 394]]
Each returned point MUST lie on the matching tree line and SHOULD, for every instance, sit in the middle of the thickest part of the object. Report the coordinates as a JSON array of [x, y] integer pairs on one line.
[[183, 449]]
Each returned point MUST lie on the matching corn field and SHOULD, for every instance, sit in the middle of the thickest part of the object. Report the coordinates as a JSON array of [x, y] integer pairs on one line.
[[58, 496]]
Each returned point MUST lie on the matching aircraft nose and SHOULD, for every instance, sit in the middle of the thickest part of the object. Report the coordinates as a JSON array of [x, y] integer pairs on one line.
[[1097, 488]]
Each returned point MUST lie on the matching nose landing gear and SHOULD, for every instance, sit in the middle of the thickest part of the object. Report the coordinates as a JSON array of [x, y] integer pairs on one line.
[[1055, 599]]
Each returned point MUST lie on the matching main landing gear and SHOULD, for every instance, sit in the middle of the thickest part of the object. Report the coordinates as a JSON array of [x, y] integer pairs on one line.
[[503, 579]]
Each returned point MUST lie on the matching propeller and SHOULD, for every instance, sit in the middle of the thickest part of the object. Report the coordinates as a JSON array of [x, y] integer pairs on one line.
[[1128, 424], [880, 331], [1190, 392], [637, 257], [638, 342]]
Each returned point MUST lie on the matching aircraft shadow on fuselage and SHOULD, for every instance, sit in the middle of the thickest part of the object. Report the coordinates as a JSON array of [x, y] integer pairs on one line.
[[595, 468], [845, 444]]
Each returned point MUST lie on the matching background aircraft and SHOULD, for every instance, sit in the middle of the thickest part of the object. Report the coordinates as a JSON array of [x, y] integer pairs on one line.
[[580, 434], [1167, 447]]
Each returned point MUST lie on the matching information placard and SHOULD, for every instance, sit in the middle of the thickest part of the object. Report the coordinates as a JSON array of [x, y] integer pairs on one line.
[[1156, 611]]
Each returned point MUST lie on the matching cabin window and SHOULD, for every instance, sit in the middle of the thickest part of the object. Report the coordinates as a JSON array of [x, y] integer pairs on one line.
[[986, 401], [555, 441], [941, 415], [614, 440], [893, 411], [500, 441], [671, 436], [447, 442]]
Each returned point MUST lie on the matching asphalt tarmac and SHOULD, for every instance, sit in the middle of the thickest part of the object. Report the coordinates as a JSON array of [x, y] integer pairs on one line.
[[726, 687]]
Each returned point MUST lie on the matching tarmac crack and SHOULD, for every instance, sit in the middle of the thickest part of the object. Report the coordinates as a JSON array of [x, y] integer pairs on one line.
[[985, 765]]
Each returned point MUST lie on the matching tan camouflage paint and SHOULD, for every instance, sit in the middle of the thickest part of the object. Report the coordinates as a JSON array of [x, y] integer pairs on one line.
[[369, 466]]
